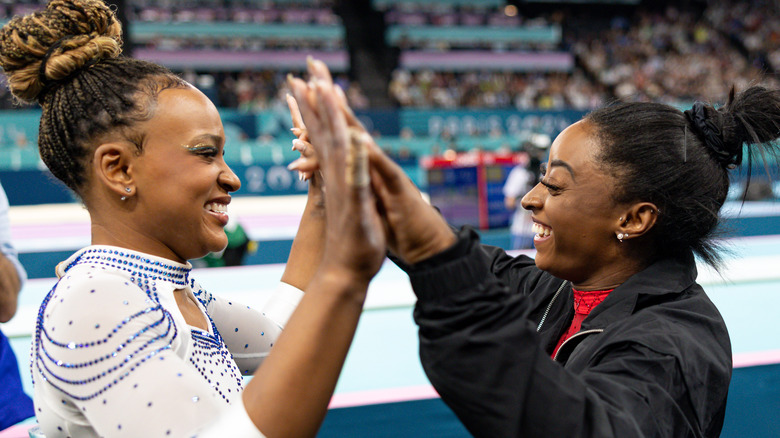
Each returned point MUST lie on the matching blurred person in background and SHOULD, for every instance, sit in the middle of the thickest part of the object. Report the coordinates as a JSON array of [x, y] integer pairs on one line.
[[522, 178], [15, 405]]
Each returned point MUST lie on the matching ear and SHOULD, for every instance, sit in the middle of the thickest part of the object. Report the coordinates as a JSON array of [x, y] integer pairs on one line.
[[637, 220], [113, 167]]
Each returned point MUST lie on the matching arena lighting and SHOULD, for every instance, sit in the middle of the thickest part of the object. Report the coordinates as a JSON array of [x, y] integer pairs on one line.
[[510, 10]]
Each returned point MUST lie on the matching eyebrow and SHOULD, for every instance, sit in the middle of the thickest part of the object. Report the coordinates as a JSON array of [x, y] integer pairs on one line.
[[563, 164], [205, 137]]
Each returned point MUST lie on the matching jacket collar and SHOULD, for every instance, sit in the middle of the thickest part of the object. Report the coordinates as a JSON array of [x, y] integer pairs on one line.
[[665, 276]]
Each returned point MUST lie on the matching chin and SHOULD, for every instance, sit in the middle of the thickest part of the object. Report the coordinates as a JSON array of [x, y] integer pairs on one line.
[[540, 262], [218, 246], [549, 266], [205, 249]]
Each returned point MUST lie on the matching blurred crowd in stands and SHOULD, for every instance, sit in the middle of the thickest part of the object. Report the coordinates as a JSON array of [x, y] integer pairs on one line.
[[256, 91], [754, 25], [427, 88], [309, 12], [672, 55]]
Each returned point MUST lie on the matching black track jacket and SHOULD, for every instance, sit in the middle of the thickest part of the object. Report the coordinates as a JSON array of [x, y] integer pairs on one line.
[[652, 360]]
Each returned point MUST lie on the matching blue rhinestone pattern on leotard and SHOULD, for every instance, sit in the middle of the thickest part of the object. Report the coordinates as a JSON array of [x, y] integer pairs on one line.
[[208, 352]]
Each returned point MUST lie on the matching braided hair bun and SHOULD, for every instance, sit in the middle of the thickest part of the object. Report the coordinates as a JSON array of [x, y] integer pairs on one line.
[[50, 46]]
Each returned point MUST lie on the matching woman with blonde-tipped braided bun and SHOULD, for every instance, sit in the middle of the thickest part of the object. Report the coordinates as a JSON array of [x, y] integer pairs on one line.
[[127, 343]]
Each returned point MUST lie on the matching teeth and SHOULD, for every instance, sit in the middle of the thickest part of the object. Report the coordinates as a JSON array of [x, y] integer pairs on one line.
[[217, 208], [540, 230]]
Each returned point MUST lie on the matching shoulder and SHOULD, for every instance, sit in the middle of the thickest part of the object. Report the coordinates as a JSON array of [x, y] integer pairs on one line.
[[94, 326], [85, 288], [686, 325]]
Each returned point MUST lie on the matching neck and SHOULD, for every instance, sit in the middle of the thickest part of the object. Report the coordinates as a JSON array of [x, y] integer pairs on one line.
[[123, 235], [613, 273]]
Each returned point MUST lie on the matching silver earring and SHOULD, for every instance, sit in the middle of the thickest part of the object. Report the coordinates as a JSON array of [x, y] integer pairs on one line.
[[123, 198], [127, 190], [620, 237]]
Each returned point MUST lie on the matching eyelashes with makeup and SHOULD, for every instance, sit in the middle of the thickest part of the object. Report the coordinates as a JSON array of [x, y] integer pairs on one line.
[[205, 150]]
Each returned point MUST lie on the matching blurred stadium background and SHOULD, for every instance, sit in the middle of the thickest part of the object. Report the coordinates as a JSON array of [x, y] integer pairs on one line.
[[453, 90]]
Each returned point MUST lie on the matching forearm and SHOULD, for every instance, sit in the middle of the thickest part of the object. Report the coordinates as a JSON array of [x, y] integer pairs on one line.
[[10, 285], [289, 393], [308, 244], [477, 344]]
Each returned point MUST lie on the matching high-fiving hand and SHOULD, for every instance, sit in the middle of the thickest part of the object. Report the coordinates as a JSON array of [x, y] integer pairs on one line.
[[355, 238], [414, 230]]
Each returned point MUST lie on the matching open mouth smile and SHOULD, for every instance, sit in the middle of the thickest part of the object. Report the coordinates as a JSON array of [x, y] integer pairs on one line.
[[541, 232], [219, 210]]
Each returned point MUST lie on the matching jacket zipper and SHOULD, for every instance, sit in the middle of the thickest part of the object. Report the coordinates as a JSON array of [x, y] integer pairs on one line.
[[549, 306], [586, 332]]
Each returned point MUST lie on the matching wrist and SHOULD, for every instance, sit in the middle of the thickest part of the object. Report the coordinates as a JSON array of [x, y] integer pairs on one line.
[[339, 280], [315, 203], [436, 244], [461, 245]]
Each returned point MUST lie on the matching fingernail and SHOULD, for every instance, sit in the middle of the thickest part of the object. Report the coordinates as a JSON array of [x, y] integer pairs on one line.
[[340, 91], [300, 176], [294, 165]]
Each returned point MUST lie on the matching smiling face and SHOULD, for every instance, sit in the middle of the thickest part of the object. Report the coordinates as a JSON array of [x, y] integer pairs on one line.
[[574, 215], [181, 179]]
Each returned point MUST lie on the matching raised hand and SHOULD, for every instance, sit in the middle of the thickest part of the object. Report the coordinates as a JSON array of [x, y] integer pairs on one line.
[[308, 246], [289, 394], [355, 238], [415, 230], [307, 165]]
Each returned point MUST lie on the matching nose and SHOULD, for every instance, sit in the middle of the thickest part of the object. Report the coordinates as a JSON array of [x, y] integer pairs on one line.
[[534, 199], [228, 180]]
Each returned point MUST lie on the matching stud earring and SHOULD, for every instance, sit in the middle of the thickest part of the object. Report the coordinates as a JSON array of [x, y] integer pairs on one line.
[[127, 190], [620, 237]]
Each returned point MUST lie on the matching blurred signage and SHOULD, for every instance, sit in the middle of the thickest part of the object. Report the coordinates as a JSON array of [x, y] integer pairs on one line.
[[467, 188], [484, 122]]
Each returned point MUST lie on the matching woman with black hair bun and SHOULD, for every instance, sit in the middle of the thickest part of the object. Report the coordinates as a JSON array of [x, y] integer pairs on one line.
[[606, 332], [127, 343]]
